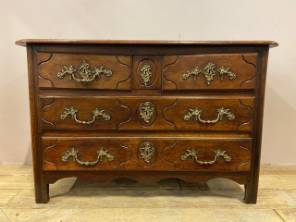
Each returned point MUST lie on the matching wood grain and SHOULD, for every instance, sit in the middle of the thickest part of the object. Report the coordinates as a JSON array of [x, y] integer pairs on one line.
[[168, 153], [121, 95], [24, 42], [51, 66], [243, 65], [169, 113]]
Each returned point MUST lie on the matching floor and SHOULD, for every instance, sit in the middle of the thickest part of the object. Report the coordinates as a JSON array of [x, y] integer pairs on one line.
[[170, 200]]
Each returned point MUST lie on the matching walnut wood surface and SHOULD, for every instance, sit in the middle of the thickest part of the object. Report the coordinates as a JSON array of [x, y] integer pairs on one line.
[[50, 64], [123, 92], [169, 114], [243, 65], [24, 42], [167, 155], [155, 62]]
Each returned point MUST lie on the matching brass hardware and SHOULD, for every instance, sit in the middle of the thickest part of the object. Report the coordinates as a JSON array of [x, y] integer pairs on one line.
[[147, 151], [147, 112], [146, 74], [84, 73], [97, 112], [102, 155], [192, 154], [209, 71], [226, 71], [195, 114]]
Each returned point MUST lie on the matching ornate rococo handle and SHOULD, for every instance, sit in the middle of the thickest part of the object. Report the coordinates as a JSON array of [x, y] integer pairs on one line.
[[209, 71], [96, 113], [195, 114], [146, 74], [147, 112], [102, 155], [147, 151], [84, 73], [193, 154]]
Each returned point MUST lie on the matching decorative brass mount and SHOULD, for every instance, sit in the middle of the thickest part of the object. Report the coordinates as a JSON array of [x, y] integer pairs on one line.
[[84, 73], [195, 115], [102, 155], [193, 154], [146, 74], [209, 71], [96, 113], [147, 112], [147, 151]]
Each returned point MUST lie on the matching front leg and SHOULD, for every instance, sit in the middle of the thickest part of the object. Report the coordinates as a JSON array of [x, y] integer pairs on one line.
[[250, 193], [41, 191]]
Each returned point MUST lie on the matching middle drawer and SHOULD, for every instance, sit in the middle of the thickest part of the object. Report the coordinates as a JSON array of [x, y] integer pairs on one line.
[[223, 113]]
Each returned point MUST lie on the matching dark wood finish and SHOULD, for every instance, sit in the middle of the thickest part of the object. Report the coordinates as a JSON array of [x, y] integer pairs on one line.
[[50, 64], [169, 114], [251, 188], [41, 187], [122, 94], [243, 65], [147, 177], [167, 157], [25, 42], [155, 62]]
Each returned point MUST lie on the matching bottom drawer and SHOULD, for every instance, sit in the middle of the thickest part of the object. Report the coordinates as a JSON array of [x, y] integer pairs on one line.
[[165, 153]]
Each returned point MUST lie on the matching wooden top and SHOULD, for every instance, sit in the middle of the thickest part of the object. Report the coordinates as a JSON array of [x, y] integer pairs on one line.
[[25, 42]]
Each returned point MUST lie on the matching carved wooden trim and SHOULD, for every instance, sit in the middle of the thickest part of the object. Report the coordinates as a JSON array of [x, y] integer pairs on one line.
[[44, 108], [165, 67], [130, 72], [40, 63], [164, 110], [250, 112], [253, 78], [130, 116]]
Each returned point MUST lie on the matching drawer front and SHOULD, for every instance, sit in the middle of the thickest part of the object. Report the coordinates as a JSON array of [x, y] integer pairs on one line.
[[148, 153], [85, 71], [148, 113], [212, 71]]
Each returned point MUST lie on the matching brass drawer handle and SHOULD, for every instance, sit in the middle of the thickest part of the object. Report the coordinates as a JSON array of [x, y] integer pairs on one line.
[[72, 113], [209, 71], [102, 155], [195, 114], [192, 154], [84, 73]]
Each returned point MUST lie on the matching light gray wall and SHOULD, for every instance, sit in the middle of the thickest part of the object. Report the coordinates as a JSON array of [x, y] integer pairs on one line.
[[150, 19]]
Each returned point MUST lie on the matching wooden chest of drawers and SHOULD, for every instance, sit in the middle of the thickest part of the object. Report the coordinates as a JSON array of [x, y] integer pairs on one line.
[[146, 110]]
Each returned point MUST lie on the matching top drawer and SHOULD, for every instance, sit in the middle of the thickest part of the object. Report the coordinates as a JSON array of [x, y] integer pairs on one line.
[[61, 70], [211, 71]]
